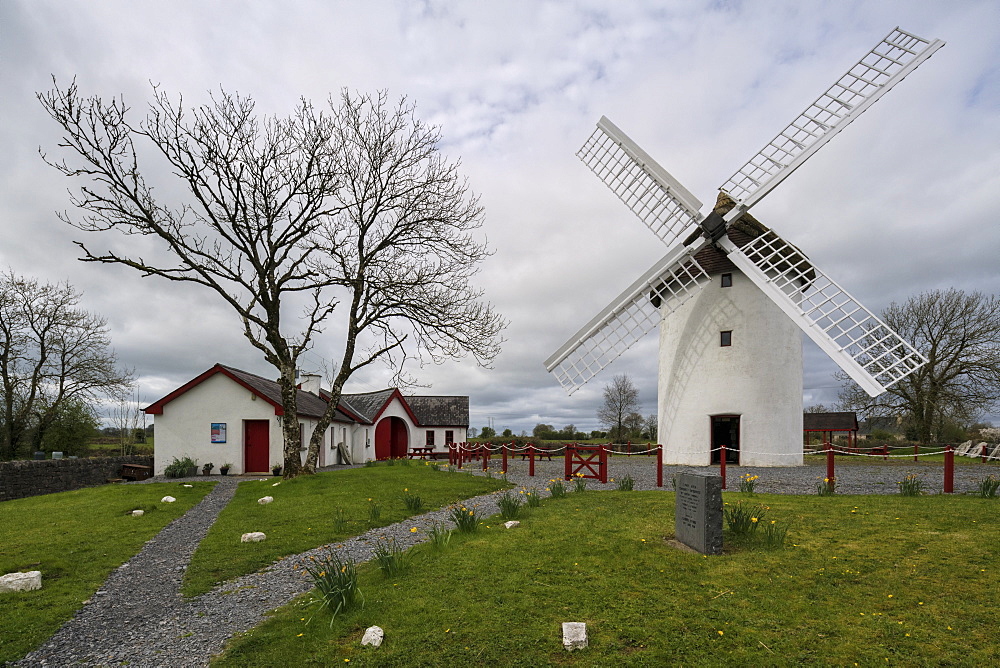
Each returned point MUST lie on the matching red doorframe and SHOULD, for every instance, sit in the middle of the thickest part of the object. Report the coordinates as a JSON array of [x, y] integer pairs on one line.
[[256, 445], [391, 438]]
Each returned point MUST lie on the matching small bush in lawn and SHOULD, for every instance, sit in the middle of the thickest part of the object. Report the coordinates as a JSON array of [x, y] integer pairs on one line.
[[370, 463], [579, 483], [489, 474], [748, 483], [337, 584], [533, 498], [557, 489], [436, 466], [774, 535], [743, 520], [510, 506], [625, 484], [439, 535], [412, 502], [374, 511], [391, 559], [987, 487], [911, 485], [451, 468], [464, 519], [339, 520], [404, 461], [825, 488]]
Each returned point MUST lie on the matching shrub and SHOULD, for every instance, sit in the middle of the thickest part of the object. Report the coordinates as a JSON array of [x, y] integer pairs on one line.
[[337, 584], [178, 468], [987, 487], [825, 488], [464, 519], [391, 559], [557, 489], [625, 484], [533, 498], [439, 535], [911, 485], [743, 520], [510, 506], [374, 511], [748, 483], [579, 483], [412, 502]]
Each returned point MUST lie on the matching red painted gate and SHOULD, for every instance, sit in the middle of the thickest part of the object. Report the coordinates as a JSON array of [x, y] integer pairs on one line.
[[256, 446], [585, 461]]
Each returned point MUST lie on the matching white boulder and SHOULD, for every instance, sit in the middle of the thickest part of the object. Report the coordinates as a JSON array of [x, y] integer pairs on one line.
[[167, 499], [574, 635], [21, 581], [511, 524], [264, 500], [186, 485], [253, 537], [373, 636], [138, 513]]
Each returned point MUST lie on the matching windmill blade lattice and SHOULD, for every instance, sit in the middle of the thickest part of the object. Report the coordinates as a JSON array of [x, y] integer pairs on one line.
[[656, 197], [865, 347], [871, 77], [633, 314]]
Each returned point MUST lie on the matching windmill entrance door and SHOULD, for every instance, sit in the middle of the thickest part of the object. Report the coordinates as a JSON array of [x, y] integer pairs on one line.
[[726, 432]]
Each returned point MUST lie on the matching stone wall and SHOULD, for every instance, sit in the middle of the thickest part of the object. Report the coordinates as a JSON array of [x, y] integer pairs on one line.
[[22, 478]]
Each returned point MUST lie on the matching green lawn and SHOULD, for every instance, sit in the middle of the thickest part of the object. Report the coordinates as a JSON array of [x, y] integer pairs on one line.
[[75, 539], [866, 580], [305, 509]]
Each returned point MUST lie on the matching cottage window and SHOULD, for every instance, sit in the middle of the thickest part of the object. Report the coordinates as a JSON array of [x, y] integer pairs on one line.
[[430, 438], [449, 437], [727, 280], [726, 338]]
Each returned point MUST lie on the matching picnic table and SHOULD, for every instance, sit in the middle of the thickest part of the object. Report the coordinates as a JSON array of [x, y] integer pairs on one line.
[[421, 452]]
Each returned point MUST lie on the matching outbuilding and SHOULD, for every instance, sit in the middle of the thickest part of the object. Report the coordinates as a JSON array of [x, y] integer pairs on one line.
[[229, 416]]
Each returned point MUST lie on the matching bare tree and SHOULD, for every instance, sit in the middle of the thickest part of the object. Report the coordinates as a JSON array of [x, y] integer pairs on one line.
[[402, 246], [650, 427], [51, 353], [128, 418], [620, 398], [354, 203], [959, 333]]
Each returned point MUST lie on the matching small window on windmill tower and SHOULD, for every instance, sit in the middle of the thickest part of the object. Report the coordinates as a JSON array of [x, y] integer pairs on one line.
[[726, 338], [727, 280]]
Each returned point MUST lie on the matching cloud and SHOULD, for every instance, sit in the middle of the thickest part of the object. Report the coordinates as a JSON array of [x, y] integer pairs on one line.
[[901, 202]]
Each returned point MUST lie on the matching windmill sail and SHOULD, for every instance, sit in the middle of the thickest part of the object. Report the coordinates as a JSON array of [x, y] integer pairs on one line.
[[656, 197], [861, 344], [634, 313], [869, 79]]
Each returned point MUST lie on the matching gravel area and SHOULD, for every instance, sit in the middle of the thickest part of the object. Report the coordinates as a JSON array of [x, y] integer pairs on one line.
[[139, 618]]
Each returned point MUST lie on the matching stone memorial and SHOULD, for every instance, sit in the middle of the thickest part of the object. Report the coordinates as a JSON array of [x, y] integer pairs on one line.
[[698, 512]]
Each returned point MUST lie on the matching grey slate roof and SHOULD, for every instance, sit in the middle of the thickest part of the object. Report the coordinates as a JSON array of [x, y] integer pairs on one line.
[[440, 411], [368, 404], [308, 404]]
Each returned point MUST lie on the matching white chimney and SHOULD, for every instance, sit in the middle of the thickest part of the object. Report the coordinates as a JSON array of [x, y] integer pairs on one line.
[[310, 382]]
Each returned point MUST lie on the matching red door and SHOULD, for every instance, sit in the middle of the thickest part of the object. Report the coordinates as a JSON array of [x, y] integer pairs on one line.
[[256, 446], [390, 438]]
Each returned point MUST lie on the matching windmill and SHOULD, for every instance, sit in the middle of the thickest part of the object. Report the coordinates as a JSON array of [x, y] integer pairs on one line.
[[731, 296]]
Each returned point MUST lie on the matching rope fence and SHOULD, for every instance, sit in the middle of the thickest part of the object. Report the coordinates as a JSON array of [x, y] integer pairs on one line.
[[591, 461]]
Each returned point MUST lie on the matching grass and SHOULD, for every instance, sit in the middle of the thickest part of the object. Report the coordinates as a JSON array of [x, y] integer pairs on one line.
[[75, 539], [310, 511], [865, 579]]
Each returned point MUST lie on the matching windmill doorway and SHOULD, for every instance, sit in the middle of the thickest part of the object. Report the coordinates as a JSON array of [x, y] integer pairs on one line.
[[726, 431]]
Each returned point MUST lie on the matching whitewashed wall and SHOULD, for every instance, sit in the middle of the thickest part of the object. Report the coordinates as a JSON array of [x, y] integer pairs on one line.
[[758, 378]]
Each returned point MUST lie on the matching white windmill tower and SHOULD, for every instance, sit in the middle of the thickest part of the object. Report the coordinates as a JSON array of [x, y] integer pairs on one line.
[[732, 296]]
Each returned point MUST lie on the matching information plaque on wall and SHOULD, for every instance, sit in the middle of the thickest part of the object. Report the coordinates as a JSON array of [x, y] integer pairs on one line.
[[218, 432]]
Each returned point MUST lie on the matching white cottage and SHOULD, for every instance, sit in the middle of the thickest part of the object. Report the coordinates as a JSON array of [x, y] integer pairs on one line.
[[226, 415]]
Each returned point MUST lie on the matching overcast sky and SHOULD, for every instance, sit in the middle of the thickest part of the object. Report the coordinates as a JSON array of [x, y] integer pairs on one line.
[[904, 201]]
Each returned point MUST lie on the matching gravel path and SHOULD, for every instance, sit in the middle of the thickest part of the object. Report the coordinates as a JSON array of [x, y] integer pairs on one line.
[[139, 618]]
